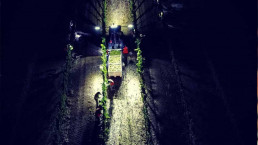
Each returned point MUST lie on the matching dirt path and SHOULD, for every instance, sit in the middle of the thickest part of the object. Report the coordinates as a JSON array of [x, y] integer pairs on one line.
[[127, 120], [118, 12], [86, 81]]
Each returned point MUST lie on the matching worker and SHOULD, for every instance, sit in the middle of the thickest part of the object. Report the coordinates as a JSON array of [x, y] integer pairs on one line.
[[125, 52], [96, 98], [98, 113], [111, 83]]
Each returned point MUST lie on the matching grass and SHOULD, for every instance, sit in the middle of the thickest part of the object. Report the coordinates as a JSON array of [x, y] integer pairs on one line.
[[115, 52]]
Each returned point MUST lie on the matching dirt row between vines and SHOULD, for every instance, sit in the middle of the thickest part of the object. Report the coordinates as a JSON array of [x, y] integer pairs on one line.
[[86, 80], [127, 119]]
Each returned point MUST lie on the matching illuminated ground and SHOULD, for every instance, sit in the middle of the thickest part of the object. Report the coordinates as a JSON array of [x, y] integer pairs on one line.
[[86, 80], [118, 12], [125, 107], [127, 119]]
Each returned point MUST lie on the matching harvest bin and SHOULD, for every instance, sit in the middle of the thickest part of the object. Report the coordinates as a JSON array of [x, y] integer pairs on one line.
[[115, 63]]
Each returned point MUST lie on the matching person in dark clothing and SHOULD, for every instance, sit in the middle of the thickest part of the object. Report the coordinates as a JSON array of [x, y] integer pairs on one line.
[[111, 84], [98, 114], [98, 111], [96, 98]]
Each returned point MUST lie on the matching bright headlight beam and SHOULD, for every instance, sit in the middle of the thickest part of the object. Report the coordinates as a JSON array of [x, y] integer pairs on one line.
[[130, 26], [113, 26], [97, 28], [77, 35]]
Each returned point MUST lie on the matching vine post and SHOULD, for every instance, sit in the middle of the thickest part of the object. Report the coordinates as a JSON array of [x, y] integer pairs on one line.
[[105, 126]]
